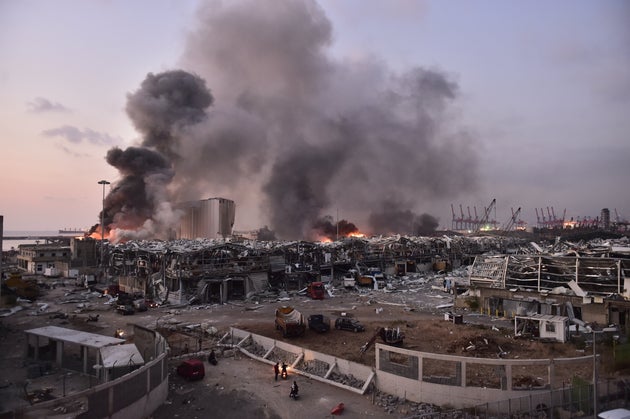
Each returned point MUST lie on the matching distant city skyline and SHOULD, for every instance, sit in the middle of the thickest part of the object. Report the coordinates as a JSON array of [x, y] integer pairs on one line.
[[523, 102]]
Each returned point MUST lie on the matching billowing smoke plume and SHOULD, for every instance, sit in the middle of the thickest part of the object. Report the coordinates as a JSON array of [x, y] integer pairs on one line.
[[393, 220], [165, 105], [299, 130], [139, 205], [327, 228], [313, 133]]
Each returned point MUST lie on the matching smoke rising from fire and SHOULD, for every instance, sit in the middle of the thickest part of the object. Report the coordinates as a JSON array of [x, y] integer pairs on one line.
[[139, 205], [293, 127]]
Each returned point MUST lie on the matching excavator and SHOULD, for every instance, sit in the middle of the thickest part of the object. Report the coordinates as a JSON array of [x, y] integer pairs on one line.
[[389, 335]]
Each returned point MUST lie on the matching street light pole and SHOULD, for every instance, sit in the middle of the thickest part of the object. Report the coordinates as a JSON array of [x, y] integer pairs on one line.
[[103, 182]]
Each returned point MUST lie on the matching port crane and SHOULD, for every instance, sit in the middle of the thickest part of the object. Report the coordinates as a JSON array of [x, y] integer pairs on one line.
[[509, 225], [486, 215]]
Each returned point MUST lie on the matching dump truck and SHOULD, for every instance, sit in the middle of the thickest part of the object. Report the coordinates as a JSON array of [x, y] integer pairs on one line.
[[316, 290], [290, 321]]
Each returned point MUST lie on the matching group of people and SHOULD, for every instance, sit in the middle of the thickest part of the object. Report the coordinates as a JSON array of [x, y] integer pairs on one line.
[[282, 371], [276, 370]]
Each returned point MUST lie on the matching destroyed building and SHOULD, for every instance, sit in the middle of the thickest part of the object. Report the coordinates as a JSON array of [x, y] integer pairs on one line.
[[585, 283], [63, 256], [526, 281]]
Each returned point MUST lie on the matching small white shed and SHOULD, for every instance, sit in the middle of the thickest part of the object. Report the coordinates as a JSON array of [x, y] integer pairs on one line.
[[542, 326]]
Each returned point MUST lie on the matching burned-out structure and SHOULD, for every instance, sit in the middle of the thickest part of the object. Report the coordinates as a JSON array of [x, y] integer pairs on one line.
[[585, 283], [208, 270], [189, 270]]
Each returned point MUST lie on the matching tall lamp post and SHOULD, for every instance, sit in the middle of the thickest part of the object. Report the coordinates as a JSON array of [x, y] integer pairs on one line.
[[103, 182]]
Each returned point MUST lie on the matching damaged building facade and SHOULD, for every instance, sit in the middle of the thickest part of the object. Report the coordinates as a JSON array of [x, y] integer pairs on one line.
[[591, 287], [215, 271]]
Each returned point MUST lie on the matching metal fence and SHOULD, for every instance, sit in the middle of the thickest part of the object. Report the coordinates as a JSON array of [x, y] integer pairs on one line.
[[565, 403]]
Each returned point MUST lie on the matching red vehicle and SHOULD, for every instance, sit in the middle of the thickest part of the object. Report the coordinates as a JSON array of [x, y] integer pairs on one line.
[[191, 369], [316, 290]]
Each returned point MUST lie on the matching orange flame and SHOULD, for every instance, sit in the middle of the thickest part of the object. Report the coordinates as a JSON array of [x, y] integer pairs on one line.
[[357, 234], [96, 234]]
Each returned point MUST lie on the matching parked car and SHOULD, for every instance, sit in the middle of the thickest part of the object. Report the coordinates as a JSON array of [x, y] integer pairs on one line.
[[191, 369], [346, 323], [318, 323]]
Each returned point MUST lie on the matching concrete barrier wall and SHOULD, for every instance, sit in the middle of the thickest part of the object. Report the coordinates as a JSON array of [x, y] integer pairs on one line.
[[404, 378], [339, 365]]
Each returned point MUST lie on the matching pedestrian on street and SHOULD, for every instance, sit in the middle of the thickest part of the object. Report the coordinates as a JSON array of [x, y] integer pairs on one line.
[[276, 370]]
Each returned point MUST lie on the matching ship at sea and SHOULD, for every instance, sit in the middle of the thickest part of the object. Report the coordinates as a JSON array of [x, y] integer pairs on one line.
[[71, 231]]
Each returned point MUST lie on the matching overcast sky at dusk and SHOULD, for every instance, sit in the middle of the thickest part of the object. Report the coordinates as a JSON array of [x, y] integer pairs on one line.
[[543, 95]]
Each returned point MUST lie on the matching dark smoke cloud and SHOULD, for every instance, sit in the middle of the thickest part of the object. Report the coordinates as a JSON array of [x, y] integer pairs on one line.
[[326, 227], [164, 105], [140, 204], [294, 128], [322, 134], [396, 221]]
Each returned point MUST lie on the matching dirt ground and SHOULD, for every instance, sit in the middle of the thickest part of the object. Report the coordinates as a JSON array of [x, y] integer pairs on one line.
[[427, 332], [244, 388]]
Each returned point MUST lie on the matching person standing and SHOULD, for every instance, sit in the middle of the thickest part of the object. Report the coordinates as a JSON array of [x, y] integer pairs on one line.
[[276, 370]]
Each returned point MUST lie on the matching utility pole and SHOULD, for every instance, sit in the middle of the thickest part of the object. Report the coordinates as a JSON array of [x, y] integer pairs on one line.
[[103, 182], [337, 239]]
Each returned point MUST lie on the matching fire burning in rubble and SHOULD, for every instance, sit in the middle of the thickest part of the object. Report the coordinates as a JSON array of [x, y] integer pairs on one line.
[[95, 233], [327, 228]]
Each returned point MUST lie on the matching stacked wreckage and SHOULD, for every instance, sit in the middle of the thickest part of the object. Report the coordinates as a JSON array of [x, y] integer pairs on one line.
[[586, 281]]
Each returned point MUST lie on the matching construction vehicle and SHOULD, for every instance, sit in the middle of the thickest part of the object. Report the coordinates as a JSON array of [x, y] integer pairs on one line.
[[391, 336], [316, 290], [290, 321]]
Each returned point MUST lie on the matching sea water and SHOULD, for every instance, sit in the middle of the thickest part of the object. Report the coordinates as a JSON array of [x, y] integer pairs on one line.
[[9, 244]]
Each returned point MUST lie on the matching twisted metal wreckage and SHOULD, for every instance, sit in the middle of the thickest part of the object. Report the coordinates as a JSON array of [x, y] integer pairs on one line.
[[217, 270]]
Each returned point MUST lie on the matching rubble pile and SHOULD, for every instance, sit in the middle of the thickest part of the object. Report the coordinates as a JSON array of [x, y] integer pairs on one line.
[[393, 404], [280, 355], [314, 367], [251, 346], [346, 379], [483, 346], [201, 265]]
